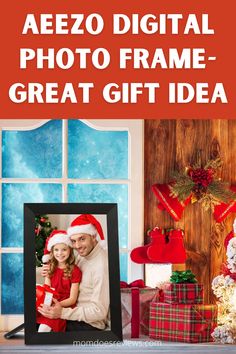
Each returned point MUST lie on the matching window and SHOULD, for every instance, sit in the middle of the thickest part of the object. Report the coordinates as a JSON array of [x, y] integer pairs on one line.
[[68, 161]]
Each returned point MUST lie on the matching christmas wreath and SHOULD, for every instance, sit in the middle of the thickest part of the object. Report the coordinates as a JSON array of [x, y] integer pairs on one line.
[[203, 184]]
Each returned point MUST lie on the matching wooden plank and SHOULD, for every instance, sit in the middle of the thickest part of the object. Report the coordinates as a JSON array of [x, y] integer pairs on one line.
[[219, 147], [159, 160], [192, 140], [175, 144], [179, 267]]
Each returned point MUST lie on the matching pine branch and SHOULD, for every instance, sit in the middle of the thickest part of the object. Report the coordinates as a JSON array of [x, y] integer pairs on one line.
[[176, 175], [214, 164], [219, 191], [183, 185], [210, 194], [182, 189]]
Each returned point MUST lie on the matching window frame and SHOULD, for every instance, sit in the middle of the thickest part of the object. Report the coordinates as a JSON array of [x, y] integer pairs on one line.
[[135, 182]]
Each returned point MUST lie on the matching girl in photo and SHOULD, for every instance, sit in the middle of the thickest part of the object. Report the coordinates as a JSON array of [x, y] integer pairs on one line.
[[64, 276]]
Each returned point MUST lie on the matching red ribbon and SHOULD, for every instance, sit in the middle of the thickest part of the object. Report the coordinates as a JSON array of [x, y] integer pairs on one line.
[[135, 319], [161, 295], [135, 304], [225, 271], [40, 293], [139, 283]]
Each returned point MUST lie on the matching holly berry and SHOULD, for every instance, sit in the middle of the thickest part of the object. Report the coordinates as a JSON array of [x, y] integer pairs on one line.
[[201, 177]]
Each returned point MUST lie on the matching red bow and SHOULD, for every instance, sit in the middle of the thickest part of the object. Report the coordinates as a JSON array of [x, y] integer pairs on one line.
[[225, 270], [139, 283], [40, 293]]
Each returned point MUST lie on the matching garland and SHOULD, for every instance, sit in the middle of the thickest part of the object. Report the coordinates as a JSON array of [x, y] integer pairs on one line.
[[202, 184]]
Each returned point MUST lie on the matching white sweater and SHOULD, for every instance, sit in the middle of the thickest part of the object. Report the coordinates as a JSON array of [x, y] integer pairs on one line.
[[93, 301]]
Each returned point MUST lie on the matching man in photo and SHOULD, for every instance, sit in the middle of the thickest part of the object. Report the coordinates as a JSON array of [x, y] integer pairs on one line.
[[91, 311]]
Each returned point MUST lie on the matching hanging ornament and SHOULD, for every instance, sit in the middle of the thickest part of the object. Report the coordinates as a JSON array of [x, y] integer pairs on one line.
[[42, 219], [203, 184], [222, 210]]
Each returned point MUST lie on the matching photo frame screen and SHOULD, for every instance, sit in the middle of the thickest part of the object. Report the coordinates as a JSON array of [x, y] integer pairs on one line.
[[80, 258]]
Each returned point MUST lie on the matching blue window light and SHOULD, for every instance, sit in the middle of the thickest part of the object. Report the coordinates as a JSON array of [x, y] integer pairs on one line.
[[13, 198], [95, 154], [35, 153], [12, 283], [123, 266], [104, 193]]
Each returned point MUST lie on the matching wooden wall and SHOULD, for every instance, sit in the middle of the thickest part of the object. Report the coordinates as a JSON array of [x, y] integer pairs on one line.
[[173, 144]]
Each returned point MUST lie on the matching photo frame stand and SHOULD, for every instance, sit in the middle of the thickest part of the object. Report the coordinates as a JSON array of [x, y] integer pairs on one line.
[[13, 332]]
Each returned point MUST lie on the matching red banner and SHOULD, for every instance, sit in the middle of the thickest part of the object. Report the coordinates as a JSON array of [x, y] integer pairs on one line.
[[132, 59]]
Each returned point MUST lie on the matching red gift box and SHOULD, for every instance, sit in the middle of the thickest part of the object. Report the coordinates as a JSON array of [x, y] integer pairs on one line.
[[135, 303], [182, 323], [182, 293], [44, 295]]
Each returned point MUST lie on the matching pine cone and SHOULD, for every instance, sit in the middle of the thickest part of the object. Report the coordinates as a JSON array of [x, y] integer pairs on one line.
[[201, 177]]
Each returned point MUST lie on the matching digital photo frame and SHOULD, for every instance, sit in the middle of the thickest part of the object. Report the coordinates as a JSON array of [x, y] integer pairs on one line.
[[64, 212]]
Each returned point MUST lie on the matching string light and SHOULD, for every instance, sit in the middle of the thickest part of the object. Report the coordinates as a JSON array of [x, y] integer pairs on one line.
[[224, 287]]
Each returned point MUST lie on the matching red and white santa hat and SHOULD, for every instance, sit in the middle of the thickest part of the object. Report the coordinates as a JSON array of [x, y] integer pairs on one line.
[[57, 236], [86, 224]]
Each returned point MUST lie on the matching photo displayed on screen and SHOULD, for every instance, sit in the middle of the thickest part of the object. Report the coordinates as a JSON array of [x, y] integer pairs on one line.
[[72, 273]]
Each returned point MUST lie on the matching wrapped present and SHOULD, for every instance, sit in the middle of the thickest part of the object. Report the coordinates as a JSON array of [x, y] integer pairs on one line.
[[182, 323], [135, 302], [186, 293], [44, 295], [182, 289]]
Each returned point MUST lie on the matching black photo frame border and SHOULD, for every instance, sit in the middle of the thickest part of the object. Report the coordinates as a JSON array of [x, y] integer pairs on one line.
[[114, 335]]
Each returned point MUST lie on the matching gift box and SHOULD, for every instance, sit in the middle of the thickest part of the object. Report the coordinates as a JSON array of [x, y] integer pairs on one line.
[[182, 323], [44, 295], [135, 303], [185, 293]]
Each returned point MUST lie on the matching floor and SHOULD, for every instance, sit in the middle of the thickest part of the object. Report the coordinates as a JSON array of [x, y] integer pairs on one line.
[[145, 345]]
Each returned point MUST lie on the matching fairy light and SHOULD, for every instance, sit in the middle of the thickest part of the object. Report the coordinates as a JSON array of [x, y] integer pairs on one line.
[[233, 300], [224, 287]]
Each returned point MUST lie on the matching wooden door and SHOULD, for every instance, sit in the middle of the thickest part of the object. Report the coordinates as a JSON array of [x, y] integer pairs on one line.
[[171, 145]]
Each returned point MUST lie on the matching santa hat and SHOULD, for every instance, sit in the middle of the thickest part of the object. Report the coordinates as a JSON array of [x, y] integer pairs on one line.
[[57, 236], [86, 224], [173, 206]]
